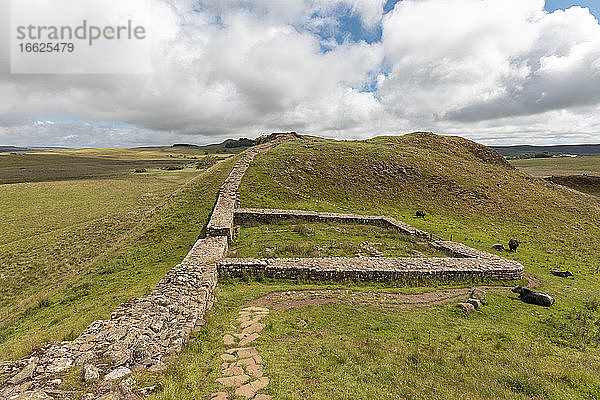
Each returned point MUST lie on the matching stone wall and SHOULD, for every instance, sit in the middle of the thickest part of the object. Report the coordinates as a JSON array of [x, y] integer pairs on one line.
[[374, 269], [141, 333], [245, 215], [221, 221]]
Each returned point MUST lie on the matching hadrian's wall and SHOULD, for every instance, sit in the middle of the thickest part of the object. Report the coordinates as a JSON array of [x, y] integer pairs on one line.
[[221, 220], [373, 269], [141, 333], [245, 215]]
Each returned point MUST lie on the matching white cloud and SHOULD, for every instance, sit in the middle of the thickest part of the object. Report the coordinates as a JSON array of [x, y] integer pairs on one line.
[[494, 70]]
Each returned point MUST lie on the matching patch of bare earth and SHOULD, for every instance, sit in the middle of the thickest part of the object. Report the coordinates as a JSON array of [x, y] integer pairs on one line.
[[299, 298]]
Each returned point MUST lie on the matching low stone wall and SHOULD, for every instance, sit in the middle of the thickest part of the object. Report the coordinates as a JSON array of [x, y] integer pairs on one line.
[[221, 221], [245, 215], [374, 269], [141, 333]]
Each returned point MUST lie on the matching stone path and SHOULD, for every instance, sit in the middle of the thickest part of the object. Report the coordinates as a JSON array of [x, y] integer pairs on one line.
[[242, 365]]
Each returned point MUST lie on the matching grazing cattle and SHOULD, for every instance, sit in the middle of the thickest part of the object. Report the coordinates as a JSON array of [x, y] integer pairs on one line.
[[562, 274], [499, 247], [513, 244], [420, 214], [528, 296]]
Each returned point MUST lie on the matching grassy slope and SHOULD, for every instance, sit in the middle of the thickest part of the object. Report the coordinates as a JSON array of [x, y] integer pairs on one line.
[[86, 246], [507, 349]]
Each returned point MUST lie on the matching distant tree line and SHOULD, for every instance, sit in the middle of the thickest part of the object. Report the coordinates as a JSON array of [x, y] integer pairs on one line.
[[541, 154]]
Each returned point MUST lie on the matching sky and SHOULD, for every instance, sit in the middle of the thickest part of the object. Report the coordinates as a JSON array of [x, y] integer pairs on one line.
[[499, 72]]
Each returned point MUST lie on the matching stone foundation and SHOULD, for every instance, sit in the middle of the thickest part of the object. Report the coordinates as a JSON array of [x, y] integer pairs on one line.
[[374, 269], [246, 215]]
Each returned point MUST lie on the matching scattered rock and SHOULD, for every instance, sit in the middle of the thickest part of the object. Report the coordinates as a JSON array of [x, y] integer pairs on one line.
[[228, 357], [228, 340], [233, 371], [60, 365], [90, 373], [117, 374], [249, 339], [256, 327], [263, 397], [255, 370], [25, 374], [474, 302], [33, 395], [478, 294], [302, 323], [466, 307]]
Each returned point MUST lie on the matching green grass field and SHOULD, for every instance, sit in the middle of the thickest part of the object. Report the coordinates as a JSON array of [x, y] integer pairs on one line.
[[506, 350], [73, 250], [298, 239], [543, 167]]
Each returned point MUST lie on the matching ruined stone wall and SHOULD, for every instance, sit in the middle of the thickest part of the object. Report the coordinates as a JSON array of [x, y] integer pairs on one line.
[[245, 215], [144, 333], [221, 221], [141, 333], [374, 269]]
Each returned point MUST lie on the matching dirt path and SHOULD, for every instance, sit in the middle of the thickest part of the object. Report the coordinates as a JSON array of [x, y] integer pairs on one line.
[[298, 298]]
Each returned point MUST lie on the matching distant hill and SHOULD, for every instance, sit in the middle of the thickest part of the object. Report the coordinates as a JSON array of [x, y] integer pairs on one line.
[[576, 149], [9, 149]]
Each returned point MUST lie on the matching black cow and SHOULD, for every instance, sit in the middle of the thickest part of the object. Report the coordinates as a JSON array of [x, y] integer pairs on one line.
[[528, 296], [513, 244], [420, 214], [562, 274]]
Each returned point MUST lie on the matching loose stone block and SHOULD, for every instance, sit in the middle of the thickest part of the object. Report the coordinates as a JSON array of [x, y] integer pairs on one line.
[[233, 381], [474, 302], [249, 390], [228, 340], [466, 307], [249, 339], [117, 374]]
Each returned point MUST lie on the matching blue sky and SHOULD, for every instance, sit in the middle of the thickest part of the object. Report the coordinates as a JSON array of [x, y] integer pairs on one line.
[[592, 5], [351, 27]]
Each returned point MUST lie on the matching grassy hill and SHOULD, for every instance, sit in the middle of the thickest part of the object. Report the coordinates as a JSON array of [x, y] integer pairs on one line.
[[69, 268], [506, 350]]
